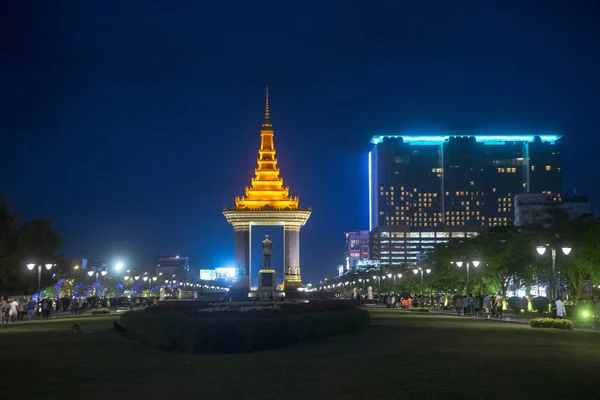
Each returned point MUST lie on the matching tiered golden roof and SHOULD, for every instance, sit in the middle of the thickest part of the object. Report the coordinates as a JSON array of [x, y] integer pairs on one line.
[[267, 190]]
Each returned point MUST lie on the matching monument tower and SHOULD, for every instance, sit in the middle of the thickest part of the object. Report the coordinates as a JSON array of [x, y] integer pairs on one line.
[[267, 202]]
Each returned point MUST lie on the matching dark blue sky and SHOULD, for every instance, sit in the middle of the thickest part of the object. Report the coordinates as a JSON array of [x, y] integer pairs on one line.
[[130, 124]]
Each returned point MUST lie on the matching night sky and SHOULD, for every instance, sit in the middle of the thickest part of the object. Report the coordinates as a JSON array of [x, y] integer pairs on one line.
[[132, 123]]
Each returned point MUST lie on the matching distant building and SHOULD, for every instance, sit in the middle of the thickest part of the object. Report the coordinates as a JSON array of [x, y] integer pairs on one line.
[[394, 246], [356, 248], [427, 189], [172, 265], [536, 209]]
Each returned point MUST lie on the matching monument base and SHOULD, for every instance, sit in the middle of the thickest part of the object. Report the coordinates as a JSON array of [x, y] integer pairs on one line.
[[267, 284], [239, 290], [292, 282]]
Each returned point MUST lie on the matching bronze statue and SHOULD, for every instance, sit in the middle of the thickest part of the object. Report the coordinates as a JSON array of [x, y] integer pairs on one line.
[[267, 247]]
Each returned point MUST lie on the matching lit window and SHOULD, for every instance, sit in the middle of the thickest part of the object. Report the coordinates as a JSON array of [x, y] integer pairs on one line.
[[548, 168], [494, 190], [472, 183], [524, 184], [533, 167]]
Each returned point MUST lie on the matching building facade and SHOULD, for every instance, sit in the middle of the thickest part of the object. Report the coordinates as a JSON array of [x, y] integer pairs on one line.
[[537, 209], [172, 266], [356, 248], [432, 187]]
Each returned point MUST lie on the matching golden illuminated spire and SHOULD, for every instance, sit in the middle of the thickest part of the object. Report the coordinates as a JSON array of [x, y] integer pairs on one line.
[[267, 187], [267, 123]]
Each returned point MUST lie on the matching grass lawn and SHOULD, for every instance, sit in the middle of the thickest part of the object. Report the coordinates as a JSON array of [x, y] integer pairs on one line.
[[402, 356]]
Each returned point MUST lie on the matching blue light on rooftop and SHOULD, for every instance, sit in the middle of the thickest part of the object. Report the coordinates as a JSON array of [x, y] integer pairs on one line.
[[485, 139]]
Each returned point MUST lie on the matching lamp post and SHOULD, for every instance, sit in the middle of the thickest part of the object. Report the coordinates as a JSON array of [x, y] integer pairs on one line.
[[399, 276], [150, 279], [48, 267], [73, 271], [375, 277], [416, 271], [468, 264], [98, 271], [541, 251]]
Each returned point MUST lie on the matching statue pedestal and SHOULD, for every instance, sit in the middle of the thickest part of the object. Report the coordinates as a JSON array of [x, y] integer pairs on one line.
[[292, 282], [267, 284], [240, 288]]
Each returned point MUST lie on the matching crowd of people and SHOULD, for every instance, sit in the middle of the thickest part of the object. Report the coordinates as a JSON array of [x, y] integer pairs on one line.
[[13, 309]]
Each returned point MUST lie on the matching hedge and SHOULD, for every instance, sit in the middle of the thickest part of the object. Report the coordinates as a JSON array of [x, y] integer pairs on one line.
[[101, 311], [237, 335], [551, 323], [419, 309]]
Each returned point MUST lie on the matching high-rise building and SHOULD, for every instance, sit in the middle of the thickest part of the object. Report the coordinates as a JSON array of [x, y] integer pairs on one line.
[[537, 209], [172, 266], [455, 185], [356, 248]]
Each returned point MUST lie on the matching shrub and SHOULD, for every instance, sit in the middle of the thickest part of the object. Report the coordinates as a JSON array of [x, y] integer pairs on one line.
[[228, 334], [102, 310], [419, 309], [551, 323], [540, 304]]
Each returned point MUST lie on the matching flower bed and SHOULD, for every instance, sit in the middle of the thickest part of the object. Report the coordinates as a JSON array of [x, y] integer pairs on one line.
[[232, 331], [551, 323], [419, 309]]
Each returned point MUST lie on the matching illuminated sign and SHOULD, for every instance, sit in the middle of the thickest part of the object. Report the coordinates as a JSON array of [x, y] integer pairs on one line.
[[225, 273], [208, 275], [486, 139]]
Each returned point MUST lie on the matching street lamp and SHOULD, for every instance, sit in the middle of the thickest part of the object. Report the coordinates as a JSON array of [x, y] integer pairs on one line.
[[375, 277], [48, 267], [118, 267], [394, 275], [541, 251], [149, 279], [468, 264], [98, 271], [416, 271]]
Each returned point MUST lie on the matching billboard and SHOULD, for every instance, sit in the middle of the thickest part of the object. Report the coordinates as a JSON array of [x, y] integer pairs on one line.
[[208, 275], [225, 273]]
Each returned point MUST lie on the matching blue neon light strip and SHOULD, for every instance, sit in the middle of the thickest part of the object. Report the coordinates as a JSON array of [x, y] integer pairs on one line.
[[370, 195], [486, 139]]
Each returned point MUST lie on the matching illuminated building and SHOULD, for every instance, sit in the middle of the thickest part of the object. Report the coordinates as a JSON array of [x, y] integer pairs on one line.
[[172, 265], [432, 186], [356, 248], [267, 202], [537, 209]]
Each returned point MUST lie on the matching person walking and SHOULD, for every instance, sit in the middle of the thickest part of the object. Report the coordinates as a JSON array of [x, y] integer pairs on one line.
[[3, 308], [13, 310], [487, 304], [30, 309], [22, 309], [458, 304], [478, 303], [561, 311], [498, 304]]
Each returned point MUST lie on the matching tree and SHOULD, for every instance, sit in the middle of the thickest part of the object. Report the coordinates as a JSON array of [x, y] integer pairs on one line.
[[33, 242], [507, 253], [446, 276]]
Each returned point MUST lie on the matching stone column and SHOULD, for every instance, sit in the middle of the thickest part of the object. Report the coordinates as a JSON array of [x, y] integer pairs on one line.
[[292, 255], [242, 255]]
